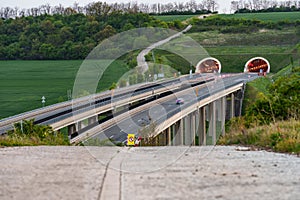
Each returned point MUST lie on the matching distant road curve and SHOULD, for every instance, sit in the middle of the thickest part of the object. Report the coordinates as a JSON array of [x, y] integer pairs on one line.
[[141, 61]]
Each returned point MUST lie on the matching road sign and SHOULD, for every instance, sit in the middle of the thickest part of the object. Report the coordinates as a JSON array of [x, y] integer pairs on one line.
[[130, 139], [43, 100]]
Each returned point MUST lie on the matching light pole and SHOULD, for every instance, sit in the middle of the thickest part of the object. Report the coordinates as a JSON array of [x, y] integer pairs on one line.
[[43, 100]]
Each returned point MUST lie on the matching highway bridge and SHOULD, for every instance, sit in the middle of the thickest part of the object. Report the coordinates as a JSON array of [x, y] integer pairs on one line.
[[114, 114]]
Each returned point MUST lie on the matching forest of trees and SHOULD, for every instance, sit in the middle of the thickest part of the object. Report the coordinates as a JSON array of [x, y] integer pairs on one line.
[[192, 6], [57, 32], [67, 36], [247, 6]]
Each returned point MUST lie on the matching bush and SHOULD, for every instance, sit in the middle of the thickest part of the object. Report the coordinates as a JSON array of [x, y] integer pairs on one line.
[[282, 102], [29, 134], [282, 136]]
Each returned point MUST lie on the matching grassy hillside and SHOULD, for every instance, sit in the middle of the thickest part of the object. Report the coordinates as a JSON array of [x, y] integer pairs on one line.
[[170, 18], [274, 16]]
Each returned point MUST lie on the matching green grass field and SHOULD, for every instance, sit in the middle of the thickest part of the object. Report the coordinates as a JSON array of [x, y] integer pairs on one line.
[[274, 16], [23, 83], [169, 18]]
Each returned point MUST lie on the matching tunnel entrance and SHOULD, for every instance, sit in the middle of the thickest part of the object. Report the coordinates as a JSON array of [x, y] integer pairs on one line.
[[257, 65], [209, 65]]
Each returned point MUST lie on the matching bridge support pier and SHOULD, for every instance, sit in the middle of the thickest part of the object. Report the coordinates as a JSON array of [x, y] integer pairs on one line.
[[162, 138], [232, 106], [78, 125], [193, 129], [173, 134], [202, 127], [223, 115], [212, 122], [178, 137], [189, 129], [92, 120], [169, 136], [71, 129]]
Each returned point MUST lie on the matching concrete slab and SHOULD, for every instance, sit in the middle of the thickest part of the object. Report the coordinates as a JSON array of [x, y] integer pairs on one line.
[[147, 173]]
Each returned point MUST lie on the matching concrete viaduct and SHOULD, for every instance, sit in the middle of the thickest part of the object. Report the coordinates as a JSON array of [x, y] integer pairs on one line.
[[200, 120]]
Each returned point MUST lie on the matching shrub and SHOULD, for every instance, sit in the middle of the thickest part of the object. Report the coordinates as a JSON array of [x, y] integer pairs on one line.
[[27, 133], [281, 136], [282, 102]]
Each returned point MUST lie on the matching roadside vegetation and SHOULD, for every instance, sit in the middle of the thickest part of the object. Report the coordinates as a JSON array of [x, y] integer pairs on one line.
[[281, 136], [272, 121], [26, 133]]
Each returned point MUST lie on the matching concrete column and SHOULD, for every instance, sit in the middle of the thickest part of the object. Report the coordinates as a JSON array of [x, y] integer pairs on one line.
[[223, 115], [71, 129], [169, 136], [232, 106], [173, 133], [187, 130], [193, 129], [157, 140], [84, 123], [165, 138], [202, 127], [78, 125], [162, 139], [92, 120], [212, 122], [179, 133], [196, 126]]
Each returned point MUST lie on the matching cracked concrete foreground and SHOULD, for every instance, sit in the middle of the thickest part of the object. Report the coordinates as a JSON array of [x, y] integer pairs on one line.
[[147, 173]]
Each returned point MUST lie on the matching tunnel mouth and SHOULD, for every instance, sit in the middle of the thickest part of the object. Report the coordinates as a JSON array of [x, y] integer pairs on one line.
[[209, 65], [257, 65]]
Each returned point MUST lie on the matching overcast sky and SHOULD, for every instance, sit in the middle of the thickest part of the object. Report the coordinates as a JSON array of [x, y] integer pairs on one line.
[[223, 4]]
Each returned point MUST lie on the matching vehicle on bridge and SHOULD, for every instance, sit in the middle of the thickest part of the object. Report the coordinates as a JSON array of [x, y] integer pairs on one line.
[[179, 101]]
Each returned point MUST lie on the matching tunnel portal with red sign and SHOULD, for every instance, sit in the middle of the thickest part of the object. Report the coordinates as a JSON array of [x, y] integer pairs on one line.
[[209, 65], [257, 65]]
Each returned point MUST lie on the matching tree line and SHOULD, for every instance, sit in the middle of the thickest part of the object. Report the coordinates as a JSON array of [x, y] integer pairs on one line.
[[58, 32], [96, 7], [247, 6], [67, 36]]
